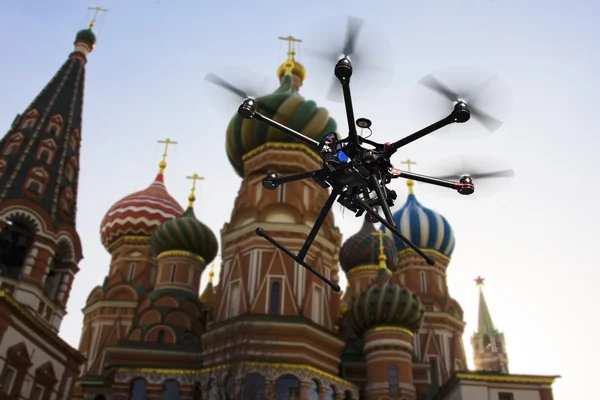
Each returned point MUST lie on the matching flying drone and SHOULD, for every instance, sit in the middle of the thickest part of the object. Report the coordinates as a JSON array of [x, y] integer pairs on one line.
[[356, 169]]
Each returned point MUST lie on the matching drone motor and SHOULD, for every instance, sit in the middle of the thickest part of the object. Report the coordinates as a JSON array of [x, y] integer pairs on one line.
[[461, 112], [247, 109], [343, 69], [363, 123], [468, 187]]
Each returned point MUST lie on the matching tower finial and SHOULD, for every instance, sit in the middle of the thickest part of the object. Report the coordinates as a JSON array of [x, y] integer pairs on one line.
[[382, 257], [96, 11], [410, 183], [211, 274], [291, 48], [479, 281], [163, 163], [192, 196]]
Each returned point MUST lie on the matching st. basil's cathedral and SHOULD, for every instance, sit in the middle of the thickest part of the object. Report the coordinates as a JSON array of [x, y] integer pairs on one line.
[[269, 329]]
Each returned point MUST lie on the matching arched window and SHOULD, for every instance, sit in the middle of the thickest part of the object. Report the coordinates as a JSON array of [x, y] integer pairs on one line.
[[11, 149], [170, 390], [44, 156], [274, 299], [100, 397], [330, 393], [138, 389], [314, 390], [254, 387], [160, 338], [197, 391], [393, 379], [15, 243], [287, 388], [499, 345], [347, 395], [487, 343], [34, 186]]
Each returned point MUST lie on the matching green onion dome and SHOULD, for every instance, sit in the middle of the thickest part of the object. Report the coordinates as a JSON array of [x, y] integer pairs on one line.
[[385, 303], [285, 106], [86, 35], [363, 248], [186, 233]]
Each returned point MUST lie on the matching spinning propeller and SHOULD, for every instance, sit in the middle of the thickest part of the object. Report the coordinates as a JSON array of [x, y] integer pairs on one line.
[[489, 175], [356, 54], [241, 94]]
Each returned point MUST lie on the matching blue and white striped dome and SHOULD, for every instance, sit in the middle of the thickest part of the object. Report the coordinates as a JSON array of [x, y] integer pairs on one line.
[[422, 226]]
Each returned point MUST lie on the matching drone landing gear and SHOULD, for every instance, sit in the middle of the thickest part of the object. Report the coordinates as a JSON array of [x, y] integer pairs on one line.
[[308, 242]]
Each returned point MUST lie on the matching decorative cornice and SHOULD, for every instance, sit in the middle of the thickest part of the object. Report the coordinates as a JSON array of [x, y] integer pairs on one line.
[[390, 329], [179, 253], [548, 380], [144, 240], [362, 268], [283, 146], [426, 251]]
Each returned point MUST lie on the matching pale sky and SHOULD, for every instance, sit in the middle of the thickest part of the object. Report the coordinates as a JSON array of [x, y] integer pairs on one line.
[[532, 242]]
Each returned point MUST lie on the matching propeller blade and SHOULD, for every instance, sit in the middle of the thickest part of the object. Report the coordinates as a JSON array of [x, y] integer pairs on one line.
[[489, 122], [353, 28], [212, 78], [434, 84], [509, 173], [485, 94]]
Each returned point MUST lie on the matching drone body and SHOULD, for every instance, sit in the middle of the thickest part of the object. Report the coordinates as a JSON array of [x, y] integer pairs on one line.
[[356, 169]]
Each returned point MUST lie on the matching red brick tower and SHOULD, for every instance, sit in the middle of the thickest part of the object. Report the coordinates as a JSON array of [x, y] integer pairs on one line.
[[386, 315], [288, 315], [125, 233], [438, 345], [39, 244]]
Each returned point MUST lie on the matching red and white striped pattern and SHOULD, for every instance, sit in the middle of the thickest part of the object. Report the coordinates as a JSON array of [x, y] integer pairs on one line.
[[140, 213]]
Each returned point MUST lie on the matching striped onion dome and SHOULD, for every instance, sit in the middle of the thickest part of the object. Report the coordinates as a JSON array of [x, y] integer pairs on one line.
[[385, 303], [424, 227], [362, 248], [285, 106], [140, 213], [186, 233]]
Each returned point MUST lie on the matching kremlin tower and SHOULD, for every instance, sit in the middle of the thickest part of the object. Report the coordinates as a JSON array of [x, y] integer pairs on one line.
[[40, 248], [488, 344]]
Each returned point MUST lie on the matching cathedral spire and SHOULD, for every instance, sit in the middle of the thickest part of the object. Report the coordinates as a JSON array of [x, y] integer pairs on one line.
[[489, 348], [39, 156]]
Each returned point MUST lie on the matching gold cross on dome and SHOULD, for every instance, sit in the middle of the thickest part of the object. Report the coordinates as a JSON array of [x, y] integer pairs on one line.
[[408, 164], [96, 11], [291, 48], [166, 142], [192, 196], [381, 247]]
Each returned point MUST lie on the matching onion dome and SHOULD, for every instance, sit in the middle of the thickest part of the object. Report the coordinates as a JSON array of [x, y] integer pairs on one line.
[[186, 233], [208, 295], [424, 227], [385, 303], [366, 247], [285, 106], [140, 213], [86, 35]]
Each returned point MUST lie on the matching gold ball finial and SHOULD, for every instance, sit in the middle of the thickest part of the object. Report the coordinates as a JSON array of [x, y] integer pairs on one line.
[[191, 198]]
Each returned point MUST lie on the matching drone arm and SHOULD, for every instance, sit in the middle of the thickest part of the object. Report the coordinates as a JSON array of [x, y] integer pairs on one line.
[[429, 179], [297, 135], [352, 134], [393, 229], [382, 199], [423, 132]]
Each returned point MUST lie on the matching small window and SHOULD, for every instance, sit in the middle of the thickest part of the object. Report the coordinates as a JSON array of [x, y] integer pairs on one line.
[[393, 379], [11, 149], [173, 272], [65, 207], [53, 130], [160, 337], [131, 272], [34, 187], [37, 393], [28, 123], [7, 380], [274, 300], [234, 299], [45, 156], [434, 371], [423, 282], [506, 396]]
